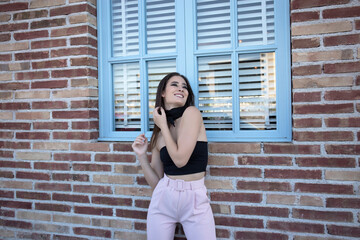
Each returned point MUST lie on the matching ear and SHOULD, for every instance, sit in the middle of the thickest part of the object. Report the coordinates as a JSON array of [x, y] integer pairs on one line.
[[163, 94]]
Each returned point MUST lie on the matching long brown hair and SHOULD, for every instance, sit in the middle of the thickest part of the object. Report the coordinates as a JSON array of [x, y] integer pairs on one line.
[[159, 102]]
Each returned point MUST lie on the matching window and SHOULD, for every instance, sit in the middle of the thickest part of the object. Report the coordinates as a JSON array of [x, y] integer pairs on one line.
[[235, 53]]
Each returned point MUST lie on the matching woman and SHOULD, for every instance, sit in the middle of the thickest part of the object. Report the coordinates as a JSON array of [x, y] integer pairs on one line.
[[179, 148]]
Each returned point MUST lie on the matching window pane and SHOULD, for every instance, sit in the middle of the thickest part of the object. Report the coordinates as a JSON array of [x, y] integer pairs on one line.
[[255, 22], [125, 27], [213, 24], [127, 96], [257, 91], [160, 26], [157, 71], [215, 92]]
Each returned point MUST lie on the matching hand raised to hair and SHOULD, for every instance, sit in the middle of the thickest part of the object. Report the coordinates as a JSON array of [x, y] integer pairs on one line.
[[160, 117]]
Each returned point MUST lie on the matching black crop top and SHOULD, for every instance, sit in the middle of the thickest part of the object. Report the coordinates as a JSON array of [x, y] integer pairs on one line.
[[197, 162]]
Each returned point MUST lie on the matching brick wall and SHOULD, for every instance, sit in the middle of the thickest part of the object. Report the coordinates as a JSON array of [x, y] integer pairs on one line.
[[58, 182]]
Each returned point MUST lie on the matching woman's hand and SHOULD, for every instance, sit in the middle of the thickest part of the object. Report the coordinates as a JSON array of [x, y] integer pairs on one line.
[[160, 118], [140, 145]]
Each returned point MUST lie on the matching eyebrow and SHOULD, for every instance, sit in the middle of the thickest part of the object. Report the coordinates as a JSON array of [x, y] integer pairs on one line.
[[184, 84]]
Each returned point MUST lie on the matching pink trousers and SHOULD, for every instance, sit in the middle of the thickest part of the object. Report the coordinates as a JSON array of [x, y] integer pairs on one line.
[[180, 201]]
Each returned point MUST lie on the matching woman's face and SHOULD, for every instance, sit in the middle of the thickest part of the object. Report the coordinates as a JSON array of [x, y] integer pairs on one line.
[[175, 93]]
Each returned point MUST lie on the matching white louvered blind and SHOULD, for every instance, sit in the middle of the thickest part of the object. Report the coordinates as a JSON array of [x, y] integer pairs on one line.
[[127, 96], [213, 24], [255, 22], [160, 26], [215, 92], [257, 91], [125, 26], [156, 71]]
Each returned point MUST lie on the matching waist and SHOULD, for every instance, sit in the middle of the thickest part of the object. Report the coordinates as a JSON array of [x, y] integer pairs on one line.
[[187, 177], [179, 184]]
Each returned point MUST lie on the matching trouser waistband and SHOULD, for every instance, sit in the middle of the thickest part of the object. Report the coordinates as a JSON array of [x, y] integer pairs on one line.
[[181, 185]]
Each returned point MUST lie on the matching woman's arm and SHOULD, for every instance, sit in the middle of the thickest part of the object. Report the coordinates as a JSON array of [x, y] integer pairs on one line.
[[154, 171], [188, 134]]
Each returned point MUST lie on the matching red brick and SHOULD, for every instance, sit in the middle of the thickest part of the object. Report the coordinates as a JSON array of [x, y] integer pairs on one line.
[[262, 211], [324, 188], [93, 189], [31, 55], [31, 35], [83, 61], [123, 147], [50, 125], [30, 15], [325, 162], [349, 39], [16, 224], [236, 197], [6, 213], [49, 84], [52, 186], [31, 235], [307, 122], [52, 207], [265, 160], [300, 4], [11, 7], [73, 73], [142, 203], [324, 108], [289, 148], [234, 148], [235, 172], [49, 105], [341, 67], [11, 164], [33, 195], [93, 211], [296, 226], [96, 147], [347, 12], [52, 166], [342, 95], [6, 154], [62, 237], [48, 23], [90, 232], [293, 174], [306, 70], [131, 214], [72, 157], [74, 114], [61, 63], [72, 135], [343, 122], [70, 198], [304, 16], [5, 57], [263, 186], [6, 135], [32, 75], [343, 231], [83, 41], [85, 125], [259, 235], [33, 175], [323, 136], [305, 43], [307, 97], [6, 174], [112, 201], [323, 215], [238, 222], [84, 104], [48, 43], [15, 204], [70, 177], [6, 194], [33, 135], [14, 86], [15, 145], [347, 149], [15, 106], [343, 203], [92, 167], [68, 10]]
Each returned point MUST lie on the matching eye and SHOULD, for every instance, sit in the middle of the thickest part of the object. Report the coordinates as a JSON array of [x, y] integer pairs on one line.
[[173, 84], [184, 86]]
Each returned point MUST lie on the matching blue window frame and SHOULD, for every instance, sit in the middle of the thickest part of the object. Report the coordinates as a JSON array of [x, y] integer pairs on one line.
[[235, 53]]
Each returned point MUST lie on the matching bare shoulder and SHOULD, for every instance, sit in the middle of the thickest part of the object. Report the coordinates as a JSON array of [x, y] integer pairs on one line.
[[192, 112]]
